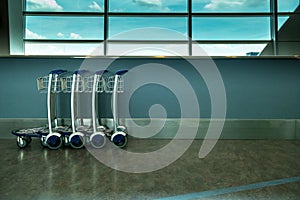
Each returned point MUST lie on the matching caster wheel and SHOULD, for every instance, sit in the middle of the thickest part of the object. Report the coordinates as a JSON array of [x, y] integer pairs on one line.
[[21, 142], [98, 140], [76, 140], [66, 141], [119, 139], [53, 141], [28, 139], [43, 142]]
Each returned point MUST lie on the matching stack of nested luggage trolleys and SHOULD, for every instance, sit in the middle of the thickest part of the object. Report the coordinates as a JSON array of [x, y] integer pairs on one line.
[[54, 135]]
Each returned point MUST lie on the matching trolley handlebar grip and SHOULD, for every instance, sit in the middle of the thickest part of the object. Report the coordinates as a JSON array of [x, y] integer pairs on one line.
[[100, 72], [58, 71], [81, 71], [121, 72]]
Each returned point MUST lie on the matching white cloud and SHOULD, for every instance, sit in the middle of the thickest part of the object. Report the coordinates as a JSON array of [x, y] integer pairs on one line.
[[149, 3], [32, 35], [229, 4], [75, 36], [152, 4], [95, 6], [60, 35], [44, 5], [215, 4]]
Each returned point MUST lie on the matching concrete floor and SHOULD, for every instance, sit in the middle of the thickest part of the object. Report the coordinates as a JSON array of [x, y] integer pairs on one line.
[[38, 173]]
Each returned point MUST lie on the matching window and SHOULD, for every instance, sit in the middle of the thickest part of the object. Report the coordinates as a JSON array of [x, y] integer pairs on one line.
[[151, 27], [231, 28], [64, 6], [118, 25], [64, 28], [228, 49], [60, 27], [147, 28], [63, 48]]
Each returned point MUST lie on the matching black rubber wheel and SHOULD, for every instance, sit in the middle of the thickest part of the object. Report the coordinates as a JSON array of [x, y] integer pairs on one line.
[[21, 142], [54, 142], [76, 141], [120, 140], [97, 140]]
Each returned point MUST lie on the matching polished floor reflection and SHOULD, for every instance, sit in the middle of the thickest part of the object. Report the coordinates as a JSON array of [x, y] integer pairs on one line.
[[38, 173]]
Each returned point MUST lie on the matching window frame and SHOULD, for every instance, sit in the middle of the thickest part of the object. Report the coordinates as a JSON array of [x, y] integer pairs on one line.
[[274, 14]]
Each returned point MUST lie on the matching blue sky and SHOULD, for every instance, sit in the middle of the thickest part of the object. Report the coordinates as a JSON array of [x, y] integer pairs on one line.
[[159, 5], [65, 5], [203, 28]]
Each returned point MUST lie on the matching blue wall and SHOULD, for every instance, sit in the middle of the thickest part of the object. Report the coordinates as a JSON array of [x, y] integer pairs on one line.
[[255, 88]]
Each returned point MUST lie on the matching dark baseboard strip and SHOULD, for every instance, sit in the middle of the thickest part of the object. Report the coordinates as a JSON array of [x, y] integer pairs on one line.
[[281, 129]]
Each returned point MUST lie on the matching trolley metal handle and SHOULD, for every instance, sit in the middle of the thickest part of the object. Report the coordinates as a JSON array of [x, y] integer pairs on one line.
[[121, 72], [58, 71], [114, 98], [82, 71]]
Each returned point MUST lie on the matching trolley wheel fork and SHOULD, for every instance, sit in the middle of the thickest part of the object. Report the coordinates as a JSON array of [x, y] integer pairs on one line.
[[43, 141], [23, 141]]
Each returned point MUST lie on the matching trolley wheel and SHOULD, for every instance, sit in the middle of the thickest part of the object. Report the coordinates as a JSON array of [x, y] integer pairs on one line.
[[98, 140], [76, 140], [28, 139], [21, 142], [121, 128], [43, 142], [53, 141], [119, 139], [66, 142]]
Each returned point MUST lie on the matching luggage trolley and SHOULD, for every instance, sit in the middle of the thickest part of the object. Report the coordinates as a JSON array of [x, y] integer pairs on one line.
[[78, 139], [98, 137], [24, 136], [116, 85], [52, 137]]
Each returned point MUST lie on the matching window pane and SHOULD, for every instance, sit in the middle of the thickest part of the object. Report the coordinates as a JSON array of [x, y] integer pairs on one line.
[[146, 28], [126, 49], [71, 28], [148, 6], [228, 49], [282, 21], [64, 5], [231, 6], [63, 48], [231, 28], [287, 5]]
